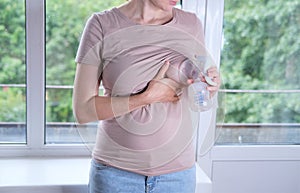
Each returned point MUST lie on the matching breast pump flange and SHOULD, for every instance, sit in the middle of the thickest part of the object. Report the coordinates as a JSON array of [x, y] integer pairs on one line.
[[199, 97]]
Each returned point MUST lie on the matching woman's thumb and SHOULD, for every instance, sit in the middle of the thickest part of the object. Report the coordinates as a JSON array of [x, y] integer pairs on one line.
[[162, 71]]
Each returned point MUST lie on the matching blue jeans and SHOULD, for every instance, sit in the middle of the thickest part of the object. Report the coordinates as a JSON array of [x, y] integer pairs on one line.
[[106, 179]]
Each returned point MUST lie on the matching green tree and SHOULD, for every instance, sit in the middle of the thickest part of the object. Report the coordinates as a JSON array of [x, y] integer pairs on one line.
[[12, 42], [12, 60], [12, 103], [261, 51]]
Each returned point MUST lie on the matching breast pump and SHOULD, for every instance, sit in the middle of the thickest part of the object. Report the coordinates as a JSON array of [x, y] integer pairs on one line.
[[199, 96]]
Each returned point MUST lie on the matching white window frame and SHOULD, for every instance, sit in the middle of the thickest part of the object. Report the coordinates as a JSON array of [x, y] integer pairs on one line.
[[211, 14], [35, 107]]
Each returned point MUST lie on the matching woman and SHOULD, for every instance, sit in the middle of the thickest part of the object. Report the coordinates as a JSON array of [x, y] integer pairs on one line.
[[145, 140]]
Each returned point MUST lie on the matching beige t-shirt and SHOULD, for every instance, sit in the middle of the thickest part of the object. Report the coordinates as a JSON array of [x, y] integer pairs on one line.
[[158, 138]]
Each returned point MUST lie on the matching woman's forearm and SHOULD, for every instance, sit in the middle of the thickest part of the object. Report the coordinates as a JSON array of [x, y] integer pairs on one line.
[[110, 107], [89, 107]]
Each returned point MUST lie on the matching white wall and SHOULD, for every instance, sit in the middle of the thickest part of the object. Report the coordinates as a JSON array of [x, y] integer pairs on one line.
[[256, 176]]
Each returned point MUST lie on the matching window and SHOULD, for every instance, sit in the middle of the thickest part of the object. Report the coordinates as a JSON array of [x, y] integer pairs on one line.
[[261, 73], [37, 67], [12, 72], [39, 40]]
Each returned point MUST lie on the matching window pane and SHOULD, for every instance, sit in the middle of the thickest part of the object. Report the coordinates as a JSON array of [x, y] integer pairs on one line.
[[261, 72], [12, 72], [63, 31], [261, 118]]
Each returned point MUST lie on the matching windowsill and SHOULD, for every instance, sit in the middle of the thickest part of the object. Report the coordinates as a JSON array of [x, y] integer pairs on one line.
[[47, 175], [57, 175]]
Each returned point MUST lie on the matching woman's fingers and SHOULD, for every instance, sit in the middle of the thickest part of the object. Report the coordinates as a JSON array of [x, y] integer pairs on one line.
[[214, 75], [162, 71], [162, 89], [213, 72]]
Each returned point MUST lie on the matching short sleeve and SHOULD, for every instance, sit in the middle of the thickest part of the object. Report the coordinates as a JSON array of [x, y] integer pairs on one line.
[[89, 50], [189, 22], [199, 30]]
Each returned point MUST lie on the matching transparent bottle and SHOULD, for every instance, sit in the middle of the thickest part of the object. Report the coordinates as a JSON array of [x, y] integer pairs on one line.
[[199, 96]]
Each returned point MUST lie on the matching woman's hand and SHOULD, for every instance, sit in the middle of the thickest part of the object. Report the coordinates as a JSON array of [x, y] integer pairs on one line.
[[162, 89], [213, 73]]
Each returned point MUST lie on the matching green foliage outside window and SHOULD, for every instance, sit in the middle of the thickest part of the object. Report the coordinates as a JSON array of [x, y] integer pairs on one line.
[[12, 60], [262, 52]]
